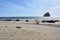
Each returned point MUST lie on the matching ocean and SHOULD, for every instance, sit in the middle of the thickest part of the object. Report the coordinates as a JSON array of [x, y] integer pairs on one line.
[[30, 18]]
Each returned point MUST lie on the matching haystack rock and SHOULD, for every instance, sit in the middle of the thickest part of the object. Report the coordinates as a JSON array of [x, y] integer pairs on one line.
[[47, 14]]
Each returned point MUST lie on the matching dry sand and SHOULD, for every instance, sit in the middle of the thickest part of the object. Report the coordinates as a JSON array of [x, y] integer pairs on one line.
[[29, 31]]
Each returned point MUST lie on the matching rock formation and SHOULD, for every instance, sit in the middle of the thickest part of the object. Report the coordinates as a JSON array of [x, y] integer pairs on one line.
[[47, 14]]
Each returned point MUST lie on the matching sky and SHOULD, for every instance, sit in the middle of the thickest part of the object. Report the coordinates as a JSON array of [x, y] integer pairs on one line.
[[13, 8]]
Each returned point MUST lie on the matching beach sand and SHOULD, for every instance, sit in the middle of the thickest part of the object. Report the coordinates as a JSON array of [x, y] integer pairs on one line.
[[29, 31]]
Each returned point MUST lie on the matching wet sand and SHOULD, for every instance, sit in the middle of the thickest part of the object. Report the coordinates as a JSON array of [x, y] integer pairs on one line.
[[29, 31]]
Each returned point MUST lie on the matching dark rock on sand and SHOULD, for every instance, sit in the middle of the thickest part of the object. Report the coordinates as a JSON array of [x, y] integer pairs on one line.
[[17, 20], [7, 20], [56, 20], [18, 27], [27, 20], [49, 21]]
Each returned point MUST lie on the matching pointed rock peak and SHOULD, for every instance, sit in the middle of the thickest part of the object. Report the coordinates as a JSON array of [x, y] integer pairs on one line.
[[47, 14]]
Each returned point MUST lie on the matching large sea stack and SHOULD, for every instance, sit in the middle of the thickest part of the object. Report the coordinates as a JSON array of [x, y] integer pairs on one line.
[[47, 14]]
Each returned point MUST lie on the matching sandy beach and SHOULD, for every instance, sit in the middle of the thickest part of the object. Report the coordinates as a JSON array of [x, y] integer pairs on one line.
[[29, 30]]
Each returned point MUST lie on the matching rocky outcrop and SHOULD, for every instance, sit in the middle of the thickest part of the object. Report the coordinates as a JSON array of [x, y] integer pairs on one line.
[[47, 14]]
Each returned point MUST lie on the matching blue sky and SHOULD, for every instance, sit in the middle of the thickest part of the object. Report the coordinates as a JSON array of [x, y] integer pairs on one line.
[[29, 7]]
